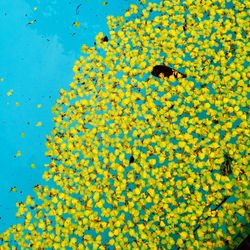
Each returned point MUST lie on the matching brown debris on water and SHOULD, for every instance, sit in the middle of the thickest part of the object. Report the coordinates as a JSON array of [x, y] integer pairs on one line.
[[105, 39], [165, 70]]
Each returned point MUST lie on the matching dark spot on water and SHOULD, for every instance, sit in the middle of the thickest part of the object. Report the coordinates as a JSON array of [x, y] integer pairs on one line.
[[13, 189], [165, 70], [132, 159], [77, 8], [31, 22], [105, 39], [245, 244], [162, 69], [185, 25], [192, 189], [226, 168]]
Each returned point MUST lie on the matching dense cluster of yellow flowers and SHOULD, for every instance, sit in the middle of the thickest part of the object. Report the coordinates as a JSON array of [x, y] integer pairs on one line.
[[147, 162]]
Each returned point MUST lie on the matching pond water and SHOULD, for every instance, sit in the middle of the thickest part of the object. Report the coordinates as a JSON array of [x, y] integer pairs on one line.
[[135, 139], [36, 62]]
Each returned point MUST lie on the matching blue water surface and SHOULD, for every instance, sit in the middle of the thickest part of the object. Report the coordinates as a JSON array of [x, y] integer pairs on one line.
[[38, 46]]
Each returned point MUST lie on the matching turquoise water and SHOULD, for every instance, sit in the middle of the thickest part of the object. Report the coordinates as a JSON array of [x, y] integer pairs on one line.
[[36, 62], [41, 43]]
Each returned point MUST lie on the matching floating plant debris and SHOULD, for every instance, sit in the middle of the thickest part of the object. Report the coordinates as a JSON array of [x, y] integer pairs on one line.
[[132, 159], [10, 92], [185, 25], [13, 189], [226, 168], [31, 22], [39, 124], [33, 165], [105, 39], [18, 153], [135, 161], [165, 71], [76, 24], [78, 8]]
